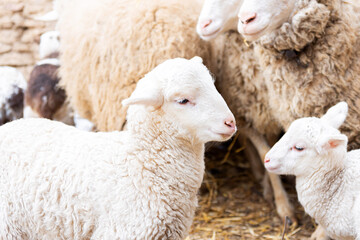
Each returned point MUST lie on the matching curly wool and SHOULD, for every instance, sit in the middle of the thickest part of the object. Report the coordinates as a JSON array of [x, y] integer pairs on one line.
[[138, 184], [109, 45], [312, 63], [242, 84]]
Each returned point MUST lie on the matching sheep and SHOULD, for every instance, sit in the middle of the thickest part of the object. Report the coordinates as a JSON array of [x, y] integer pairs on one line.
[[309, 55], [327, 176], [310, 61], [43, 97], [103, 57], [13, 85], [248, 96], [58, 182]]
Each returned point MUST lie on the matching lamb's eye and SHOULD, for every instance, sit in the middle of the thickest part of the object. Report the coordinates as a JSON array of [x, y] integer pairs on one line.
[[298, 148], [183, 101]]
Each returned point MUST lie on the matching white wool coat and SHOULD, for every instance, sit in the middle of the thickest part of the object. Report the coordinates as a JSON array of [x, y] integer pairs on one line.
[[57, 182], [332, 196]]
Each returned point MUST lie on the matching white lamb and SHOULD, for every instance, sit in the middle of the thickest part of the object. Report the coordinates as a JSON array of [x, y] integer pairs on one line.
[[57, 182], [327, 176]]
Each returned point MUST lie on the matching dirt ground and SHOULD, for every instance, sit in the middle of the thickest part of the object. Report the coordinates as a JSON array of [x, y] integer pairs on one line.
[[231, 205]]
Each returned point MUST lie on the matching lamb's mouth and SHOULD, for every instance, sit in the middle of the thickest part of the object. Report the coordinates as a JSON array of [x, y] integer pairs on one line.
[[271, 168]]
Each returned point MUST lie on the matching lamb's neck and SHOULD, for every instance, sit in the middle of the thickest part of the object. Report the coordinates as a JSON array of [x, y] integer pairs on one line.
[[177, 156], [320, 189]]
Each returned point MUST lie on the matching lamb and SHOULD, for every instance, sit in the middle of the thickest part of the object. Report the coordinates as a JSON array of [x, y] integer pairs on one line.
[[327, 176], [13, 85], [58, 182], [43, 97], [103, 57], [248, 96]]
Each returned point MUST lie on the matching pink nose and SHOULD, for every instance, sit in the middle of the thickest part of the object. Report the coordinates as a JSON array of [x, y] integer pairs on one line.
[[205, 23], [230, 123], [247, 17], [266, 160]]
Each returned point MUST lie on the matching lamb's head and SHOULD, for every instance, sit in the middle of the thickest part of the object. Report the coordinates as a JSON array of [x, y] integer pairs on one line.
[[260, 17], [184, 92], [217, 16], [49, 43], [309, 144]]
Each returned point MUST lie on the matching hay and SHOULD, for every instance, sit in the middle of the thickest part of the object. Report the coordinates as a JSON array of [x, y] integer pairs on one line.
[[231, 205]]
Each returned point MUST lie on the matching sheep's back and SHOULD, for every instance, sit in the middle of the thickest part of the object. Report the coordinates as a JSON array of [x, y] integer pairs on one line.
[[109, 45]]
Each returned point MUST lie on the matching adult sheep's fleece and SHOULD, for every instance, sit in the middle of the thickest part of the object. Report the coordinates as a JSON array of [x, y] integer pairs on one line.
[[241, 83], [314, 62], [109, 45]]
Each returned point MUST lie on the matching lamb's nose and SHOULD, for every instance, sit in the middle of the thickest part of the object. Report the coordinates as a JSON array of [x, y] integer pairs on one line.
[[247, 17], [205, 23], [266, 160], [230, 123]]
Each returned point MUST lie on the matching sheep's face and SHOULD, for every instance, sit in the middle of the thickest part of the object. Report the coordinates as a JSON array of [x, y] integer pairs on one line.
[[49, 43], [217, 16], [260, 17], [310, 144], [185, 92]]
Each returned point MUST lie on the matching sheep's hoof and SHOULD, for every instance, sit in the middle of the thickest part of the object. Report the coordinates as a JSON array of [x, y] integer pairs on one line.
[[319, 234]]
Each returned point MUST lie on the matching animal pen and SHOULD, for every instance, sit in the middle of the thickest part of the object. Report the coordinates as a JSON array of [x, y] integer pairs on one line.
[[231, 202]]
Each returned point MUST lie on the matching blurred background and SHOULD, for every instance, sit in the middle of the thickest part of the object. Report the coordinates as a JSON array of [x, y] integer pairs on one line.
[[20, 32], [231, 203]]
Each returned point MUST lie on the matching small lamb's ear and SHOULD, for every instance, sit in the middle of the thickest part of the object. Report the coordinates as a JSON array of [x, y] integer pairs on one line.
[[331, 142], [197, 59], [147, 92], [336, 115]]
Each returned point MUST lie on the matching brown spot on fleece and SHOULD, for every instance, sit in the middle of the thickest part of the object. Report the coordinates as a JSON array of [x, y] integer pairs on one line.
[[13, 107], [43, 94]]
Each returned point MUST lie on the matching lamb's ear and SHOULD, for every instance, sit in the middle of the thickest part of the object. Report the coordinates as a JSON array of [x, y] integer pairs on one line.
[[336, 115], [329, 142], [147, 92], [197, 59]]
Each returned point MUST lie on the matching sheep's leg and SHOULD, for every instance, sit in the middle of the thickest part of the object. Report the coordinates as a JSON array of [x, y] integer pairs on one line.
[[283, 206], [356, 217], [268, 193], [282, 203], [319, 234], [251, 154]]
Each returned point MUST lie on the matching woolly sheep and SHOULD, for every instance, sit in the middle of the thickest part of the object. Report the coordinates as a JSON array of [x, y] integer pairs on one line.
[[248, 96], [327, 176], [103, 57], [43, 97], [311, 61], [58, 182], [13, 85]]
